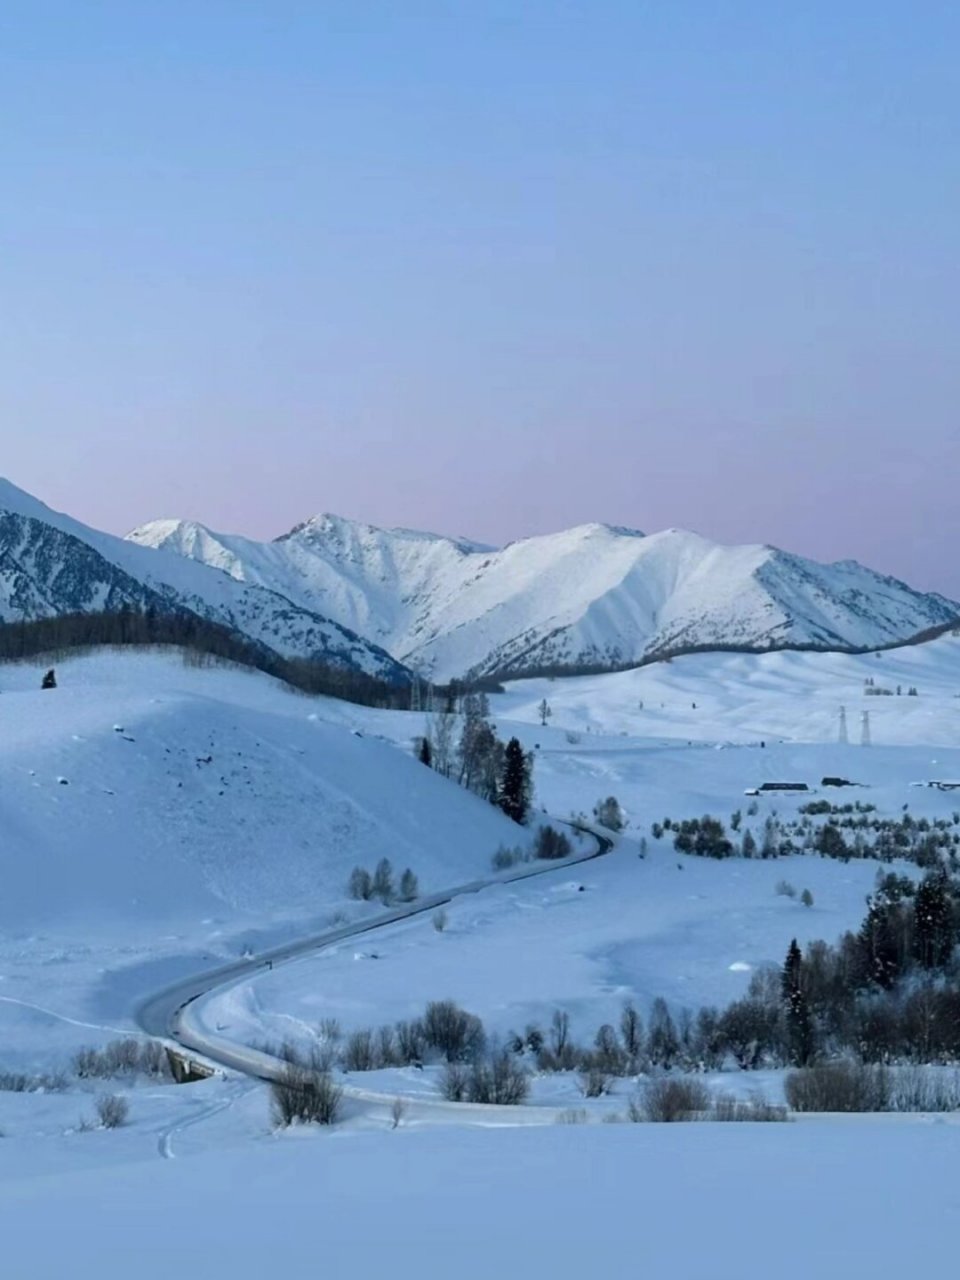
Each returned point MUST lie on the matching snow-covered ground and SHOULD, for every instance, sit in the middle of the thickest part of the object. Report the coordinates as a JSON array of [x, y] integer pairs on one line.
[[675, 1202], [158, 819]]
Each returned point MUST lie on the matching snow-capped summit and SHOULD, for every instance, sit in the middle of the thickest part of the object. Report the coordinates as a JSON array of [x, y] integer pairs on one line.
[[595, 594]]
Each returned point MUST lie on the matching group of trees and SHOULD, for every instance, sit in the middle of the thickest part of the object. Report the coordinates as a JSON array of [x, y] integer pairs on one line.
[[500, 773], [380, 884], [204, 641], [849, 831], [889, 992]]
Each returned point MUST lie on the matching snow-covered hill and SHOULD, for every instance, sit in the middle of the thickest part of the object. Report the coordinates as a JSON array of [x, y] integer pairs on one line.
[[51, 564], [595, 594], [142, 790]]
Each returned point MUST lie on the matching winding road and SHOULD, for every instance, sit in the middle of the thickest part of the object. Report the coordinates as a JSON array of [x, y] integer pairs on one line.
[[170, 1013]]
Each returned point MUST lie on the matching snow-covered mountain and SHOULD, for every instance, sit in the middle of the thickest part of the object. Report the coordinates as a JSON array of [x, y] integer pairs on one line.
[[595, 594], [51, 564]]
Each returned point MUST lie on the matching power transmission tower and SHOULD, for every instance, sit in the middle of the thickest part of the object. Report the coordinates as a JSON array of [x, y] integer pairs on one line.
[[843, 736], [865, 729]]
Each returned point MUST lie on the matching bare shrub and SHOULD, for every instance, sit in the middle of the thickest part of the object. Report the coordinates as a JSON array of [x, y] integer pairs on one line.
[[853, 1086], [411, 1041], [594, 1082], [839, 1086], [754, 1109], [18, 1082], [785, 889], [329, 1029], [458, 1035], [671, 1098], [573, 1115], [398, 1110], [386, 1048], [551, 844], [440, 920], [505, 858], [453, 1083], [358, 1053], [806, 898], [300, 1096], [501, 1081], [128, 1056], [917, 1089], [112, 1111]]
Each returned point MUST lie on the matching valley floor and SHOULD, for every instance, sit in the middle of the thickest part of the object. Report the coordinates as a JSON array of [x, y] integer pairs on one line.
[[158, 820]]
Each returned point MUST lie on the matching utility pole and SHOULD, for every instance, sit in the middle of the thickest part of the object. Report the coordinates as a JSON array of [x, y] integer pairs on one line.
[[843, 736], [865, 729]]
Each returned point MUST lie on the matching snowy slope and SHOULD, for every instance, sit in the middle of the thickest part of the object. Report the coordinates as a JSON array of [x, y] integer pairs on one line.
[[189, 793], [594, 595], [51, 564]]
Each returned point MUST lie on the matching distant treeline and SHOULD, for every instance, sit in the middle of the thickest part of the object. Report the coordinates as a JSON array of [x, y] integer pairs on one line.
[[561, 670], [202, 640]]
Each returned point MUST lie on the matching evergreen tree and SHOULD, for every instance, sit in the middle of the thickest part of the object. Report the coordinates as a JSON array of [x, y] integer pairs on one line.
[[425, 754], [49, 681], [748, 845], [933, 937], [879, 946], [800, 1037], [514, 794]]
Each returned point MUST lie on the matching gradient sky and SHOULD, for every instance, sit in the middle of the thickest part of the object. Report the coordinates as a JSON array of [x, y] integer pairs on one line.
[[489, 268]]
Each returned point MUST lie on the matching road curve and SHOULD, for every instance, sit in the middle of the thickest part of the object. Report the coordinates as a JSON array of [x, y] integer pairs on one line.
[[167, 1014]]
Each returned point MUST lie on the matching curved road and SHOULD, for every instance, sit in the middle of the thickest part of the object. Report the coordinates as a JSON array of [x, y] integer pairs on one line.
[[167, 1015]]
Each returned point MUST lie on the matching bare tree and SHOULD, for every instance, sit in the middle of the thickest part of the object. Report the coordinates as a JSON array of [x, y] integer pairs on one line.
[[440, 730], [409, 886], [360, 884], [383, 881]]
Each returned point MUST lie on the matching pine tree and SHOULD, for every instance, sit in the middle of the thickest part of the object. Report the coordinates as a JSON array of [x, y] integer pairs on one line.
[[514, 797], [880, 951], [800, 1037], [933, 938], [49, 681], [425, 754]]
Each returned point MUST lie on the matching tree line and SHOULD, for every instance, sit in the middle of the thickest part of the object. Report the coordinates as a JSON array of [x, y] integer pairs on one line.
[[203, 642]]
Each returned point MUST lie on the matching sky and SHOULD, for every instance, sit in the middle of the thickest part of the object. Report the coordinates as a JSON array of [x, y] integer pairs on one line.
[[488, 268]]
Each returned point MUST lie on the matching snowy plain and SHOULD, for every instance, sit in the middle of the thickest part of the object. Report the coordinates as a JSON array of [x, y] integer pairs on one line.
[[148, 862]]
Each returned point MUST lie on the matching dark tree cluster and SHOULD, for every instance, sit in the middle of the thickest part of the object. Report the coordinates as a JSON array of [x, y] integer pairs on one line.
[[500, 773], [204, 642], [849, 831]]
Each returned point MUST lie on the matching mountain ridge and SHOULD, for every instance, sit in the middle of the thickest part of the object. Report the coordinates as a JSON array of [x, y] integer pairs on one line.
[[595, 594]]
